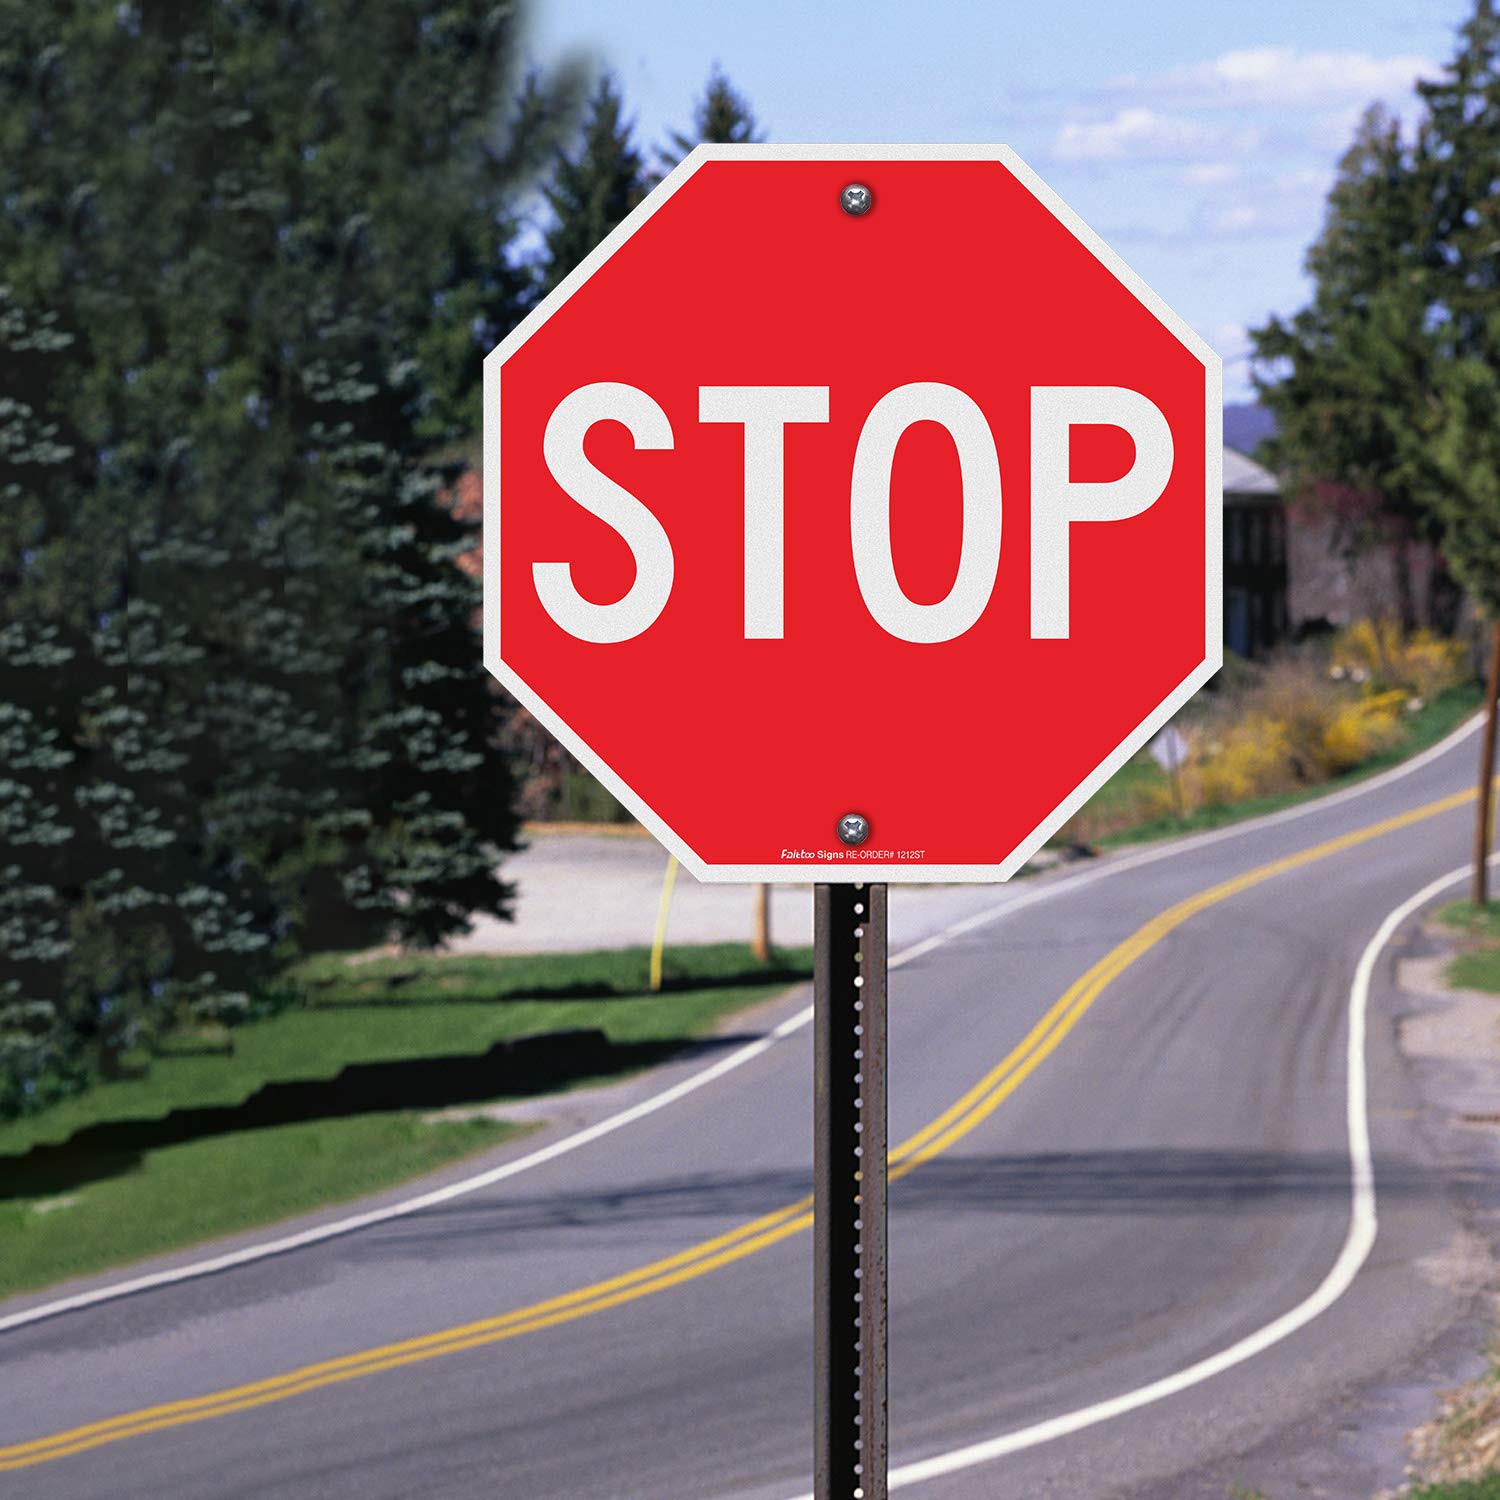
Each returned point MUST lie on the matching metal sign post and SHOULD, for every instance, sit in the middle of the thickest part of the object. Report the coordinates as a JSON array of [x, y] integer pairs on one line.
[[849, 1193]]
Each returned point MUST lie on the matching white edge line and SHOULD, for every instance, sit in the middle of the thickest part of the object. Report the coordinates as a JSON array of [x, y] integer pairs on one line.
[[1018, 901], [1358, 1242], [406, 1206]]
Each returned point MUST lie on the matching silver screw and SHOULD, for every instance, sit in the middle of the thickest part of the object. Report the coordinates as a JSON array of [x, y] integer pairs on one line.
[[854, 829], [856, 199]]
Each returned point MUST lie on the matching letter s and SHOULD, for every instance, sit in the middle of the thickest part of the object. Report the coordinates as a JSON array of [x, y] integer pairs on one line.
[[562, 446]]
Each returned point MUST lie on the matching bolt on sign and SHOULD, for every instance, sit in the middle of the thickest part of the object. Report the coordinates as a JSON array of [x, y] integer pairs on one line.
[[853, 483]]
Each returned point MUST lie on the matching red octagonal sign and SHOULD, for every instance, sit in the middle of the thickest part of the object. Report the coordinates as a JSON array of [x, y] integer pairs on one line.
[[802, 501]]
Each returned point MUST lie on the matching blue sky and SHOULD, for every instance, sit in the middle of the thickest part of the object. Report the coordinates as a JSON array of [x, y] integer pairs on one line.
[[1198, 137]]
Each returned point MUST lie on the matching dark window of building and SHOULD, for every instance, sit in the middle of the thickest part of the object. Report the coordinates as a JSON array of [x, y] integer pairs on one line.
[[1237, 621]]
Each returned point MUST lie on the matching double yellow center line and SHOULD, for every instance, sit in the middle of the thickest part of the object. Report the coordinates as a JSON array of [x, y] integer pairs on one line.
[[963, 1116]]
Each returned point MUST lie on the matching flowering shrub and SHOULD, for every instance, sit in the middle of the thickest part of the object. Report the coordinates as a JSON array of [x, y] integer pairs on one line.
[[1293, 722], [1243, 759], [1361, 728], [1376, 653]]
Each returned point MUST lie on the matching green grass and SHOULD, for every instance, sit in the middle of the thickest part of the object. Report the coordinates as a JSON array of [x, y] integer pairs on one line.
[[389, 1010], [1129, 785], [131, 1185], [180, 1195], [1468, 1489], [1422, 730], [1478, 968], [1470, 919]]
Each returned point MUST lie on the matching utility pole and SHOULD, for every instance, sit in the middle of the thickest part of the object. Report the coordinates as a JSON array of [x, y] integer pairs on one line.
[[1485, 816]]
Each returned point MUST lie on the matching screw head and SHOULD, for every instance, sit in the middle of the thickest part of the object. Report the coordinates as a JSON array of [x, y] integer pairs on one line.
[[854, 829], [856, 199]]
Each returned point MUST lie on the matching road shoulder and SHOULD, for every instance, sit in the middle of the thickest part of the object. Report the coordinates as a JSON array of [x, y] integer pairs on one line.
[[1451, 1040], [1435, 1058]]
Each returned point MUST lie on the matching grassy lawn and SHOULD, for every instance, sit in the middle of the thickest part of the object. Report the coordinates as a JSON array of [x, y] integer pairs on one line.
[[207, 1143], [182, 1194], [1140, 774], [1478, 968]]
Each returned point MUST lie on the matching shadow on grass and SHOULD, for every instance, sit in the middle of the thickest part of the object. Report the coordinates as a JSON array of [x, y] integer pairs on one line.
[[457, 991], [517, 1068]]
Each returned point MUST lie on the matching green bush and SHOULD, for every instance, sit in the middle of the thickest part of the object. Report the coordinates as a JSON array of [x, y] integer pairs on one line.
[[582, 799]]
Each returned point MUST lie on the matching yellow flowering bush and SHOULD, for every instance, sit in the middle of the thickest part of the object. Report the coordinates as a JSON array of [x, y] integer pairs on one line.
[[1293, 722], [1376, 652], [1359, 729], [1246, 758]]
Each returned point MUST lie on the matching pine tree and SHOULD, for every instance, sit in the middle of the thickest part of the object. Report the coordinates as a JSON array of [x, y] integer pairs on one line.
[[1458, 167], [1388, 383], [1457, 162], [115, 921], [723, 117], [279, 239], [1340, 440], [591, 192]]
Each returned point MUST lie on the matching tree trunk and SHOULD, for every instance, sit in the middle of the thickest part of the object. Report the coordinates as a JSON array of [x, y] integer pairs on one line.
[[1487, 775], [1445, 599], [760, 943]]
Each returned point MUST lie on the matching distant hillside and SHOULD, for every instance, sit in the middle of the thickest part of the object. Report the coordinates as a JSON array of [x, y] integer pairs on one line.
[[1247, 425]]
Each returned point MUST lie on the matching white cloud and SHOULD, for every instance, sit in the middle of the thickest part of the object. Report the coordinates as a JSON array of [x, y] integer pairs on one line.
[[1236, 218], [1210, 174], [1283, 203], [1137, 133], [1282, 76], [1244, 205]]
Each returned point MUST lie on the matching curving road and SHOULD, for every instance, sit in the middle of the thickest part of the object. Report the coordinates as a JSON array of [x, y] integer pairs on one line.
[[1153, 1167]]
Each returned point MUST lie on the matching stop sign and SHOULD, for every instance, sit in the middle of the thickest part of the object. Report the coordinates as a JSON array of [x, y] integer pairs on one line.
[[862, 481]]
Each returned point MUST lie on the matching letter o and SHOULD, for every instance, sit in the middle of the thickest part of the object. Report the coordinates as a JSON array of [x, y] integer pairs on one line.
[[870, 512]]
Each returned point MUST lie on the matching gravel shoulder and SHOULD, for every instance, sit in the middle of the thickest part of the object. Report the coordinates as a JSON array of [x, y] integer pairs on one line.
[[1451, 1040]]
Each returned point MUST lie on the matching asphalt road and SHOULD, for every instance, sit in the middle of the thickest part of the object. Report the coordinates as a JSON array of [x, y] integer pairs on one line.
[[1160, 1176]]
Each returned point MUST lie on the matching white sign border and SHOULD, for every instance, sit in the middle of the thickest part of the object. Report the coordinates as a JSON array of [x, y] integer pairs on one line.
[[852, 870]]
